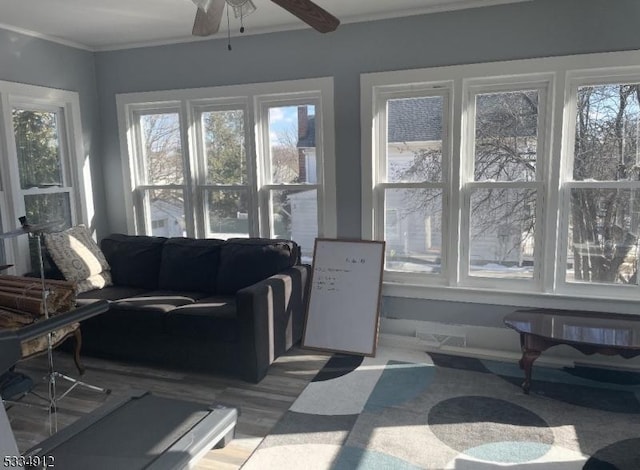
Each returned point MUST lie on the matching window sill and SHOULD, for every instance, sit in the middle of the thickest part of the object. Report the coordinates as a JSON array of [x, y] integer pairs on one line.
[[519, 299]]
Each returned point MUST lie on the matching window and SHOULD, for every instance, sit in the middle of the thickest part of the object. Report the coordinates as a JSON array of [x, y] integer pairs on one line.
[[515, 179], [602, 185], [161, 194], [411, 184], [43, 177], [503, 181], [241, 161], [225, 190], [289, 185]]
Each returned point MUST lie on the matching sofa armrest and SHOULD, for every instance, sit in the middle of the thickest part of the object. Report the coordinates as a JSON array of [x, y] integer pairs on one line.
[[271, 319]]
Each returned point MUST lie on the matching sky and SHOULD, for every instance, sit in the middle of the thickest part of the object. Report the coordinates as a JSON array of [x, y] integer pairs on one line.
[[283, 119]]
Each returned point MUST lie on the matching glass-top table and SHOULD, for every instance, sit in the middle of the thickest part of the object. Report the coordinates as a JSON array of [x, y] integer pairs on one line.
[[588, 332]]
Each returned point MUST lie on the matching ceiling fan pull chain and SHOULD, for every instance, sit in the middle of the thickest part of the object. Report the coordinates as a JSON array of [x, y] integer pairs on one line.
[[228, 31], [241, 23]]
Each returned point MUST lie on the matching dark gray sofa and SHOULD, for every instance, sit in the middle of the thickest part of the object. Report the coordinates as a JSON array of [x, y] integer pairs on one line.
[[229, 306]]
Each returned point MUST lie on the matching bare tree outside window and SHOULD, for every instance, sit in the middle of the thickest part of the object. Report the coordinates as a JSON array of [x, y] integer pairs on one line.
[[163, 170], [603, 231], [502, 219], [414, 188], [292, 161]]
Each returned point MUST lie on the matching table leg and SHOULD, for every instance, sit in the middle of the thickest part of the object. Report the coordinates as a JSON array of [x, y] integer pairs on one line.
[[526, 363], [529, 355], [77, 335]]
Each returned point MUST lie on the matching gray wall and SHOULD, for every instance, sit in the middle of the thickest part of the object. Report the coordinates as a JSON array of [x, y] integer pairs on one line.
[[25, 59], [524, 30]]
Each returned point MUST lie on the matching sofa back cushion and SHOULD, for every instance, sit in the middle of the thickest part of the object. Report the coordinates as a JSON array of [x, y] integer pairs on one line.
[[134, 259], [190, 265], [245, 261]]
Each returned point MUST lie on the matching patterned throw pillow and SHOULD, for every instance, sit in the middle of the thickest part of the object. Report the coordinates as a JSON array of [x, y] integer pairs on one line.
[[79, 258]]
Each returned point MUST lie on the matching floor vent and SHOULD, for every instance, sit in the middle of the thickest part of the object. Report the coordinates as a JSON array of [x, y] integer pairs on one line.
[[440, 340]]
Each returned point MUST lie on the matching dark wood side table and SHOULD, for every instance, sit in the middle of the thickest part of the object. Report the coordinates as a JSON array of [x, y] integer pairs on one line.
[[37, 346], [589, 332]]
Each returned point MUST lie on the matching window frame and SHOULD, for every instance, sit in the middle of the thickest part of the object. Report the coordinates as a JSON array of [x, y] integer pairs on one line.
[[192, 103], [75, 164], [560, 71]]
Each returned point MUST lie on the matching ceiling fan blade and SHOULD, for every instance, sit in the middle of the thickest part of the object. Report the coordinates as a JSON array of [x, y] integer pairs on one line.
[[208, 23], [316, 17]]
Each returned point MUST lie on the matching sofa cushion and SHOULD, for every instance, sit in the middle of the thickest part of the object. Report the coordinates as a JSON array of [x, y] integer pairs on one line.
[[189, 264], [109, 293], [134, 259], [159, 303], [212, 318], [78, 258], [193, 296], [245, 261], [121, 320]]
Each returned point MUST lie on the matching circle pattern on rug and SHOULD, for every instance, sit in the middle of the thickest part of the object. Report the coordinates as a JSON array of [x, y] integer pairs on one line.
[[476, 423], [621, 455], [355, 458], [337, 366], [509, 452]]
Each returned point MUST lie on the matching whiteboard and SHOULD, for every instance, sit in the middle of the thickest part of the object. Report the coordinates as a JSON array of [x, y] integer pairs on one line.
[[344, 300]]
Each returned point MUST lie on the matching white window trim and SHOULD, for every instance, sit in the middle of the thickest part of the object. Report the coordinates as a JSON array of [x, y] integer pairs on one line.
[[561, 70], [252, 94], [75, 162]]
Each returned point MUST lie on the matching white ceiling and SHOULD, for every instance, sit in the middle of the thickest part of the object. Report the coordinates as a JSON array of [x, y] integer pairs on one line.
[[117, 24]]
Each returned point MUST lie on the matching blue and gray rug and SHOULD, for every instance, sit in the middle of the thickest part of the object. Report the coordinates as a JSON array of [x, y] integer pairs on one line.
[[410, 410]]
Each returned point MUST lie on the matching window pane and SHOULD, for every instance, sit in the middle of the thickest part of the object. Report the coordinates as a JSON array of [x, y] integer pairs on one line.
[[38, 148], [294, 216], [292, 144], [43, 208], [607, 133], [225, 147], [228, 213], [603, 236], [162, 148], [413, 230], [502, 233], [506, 136], [166, 210], [414, 134]]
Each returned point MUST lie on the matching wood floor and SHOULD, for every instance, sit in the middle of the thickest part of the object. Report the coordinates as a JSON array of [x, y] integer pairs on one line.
[[260, 405]]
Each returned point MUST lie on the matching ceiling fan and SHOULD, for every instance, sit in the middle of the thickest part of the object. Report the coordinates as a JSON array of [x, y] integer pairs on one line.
[[209, 14]]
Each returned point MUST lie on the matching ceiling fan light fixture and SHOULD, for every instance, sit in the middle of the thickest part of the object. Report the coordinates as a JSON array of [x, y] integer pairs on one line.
[[241, 8]]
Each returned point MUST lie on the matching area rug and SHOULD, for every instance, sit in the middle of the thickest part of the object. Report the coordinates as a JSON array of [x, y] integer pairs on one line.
[[410, 410]]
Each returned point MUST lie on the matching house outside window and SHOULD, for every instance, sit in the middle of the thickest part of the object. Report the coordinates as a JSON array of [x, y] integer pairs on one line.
[[411, 182], [539, 179], [240, 161]]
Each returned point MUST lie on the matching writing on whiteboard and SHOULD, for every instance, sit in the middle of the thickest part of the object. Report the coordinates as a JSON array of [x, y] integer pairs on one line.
[[326, 279]]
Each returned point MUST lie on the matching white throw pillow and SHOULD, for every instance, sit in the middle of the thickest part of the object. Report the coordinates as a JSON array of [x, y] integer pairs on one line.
[[79, 258]]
